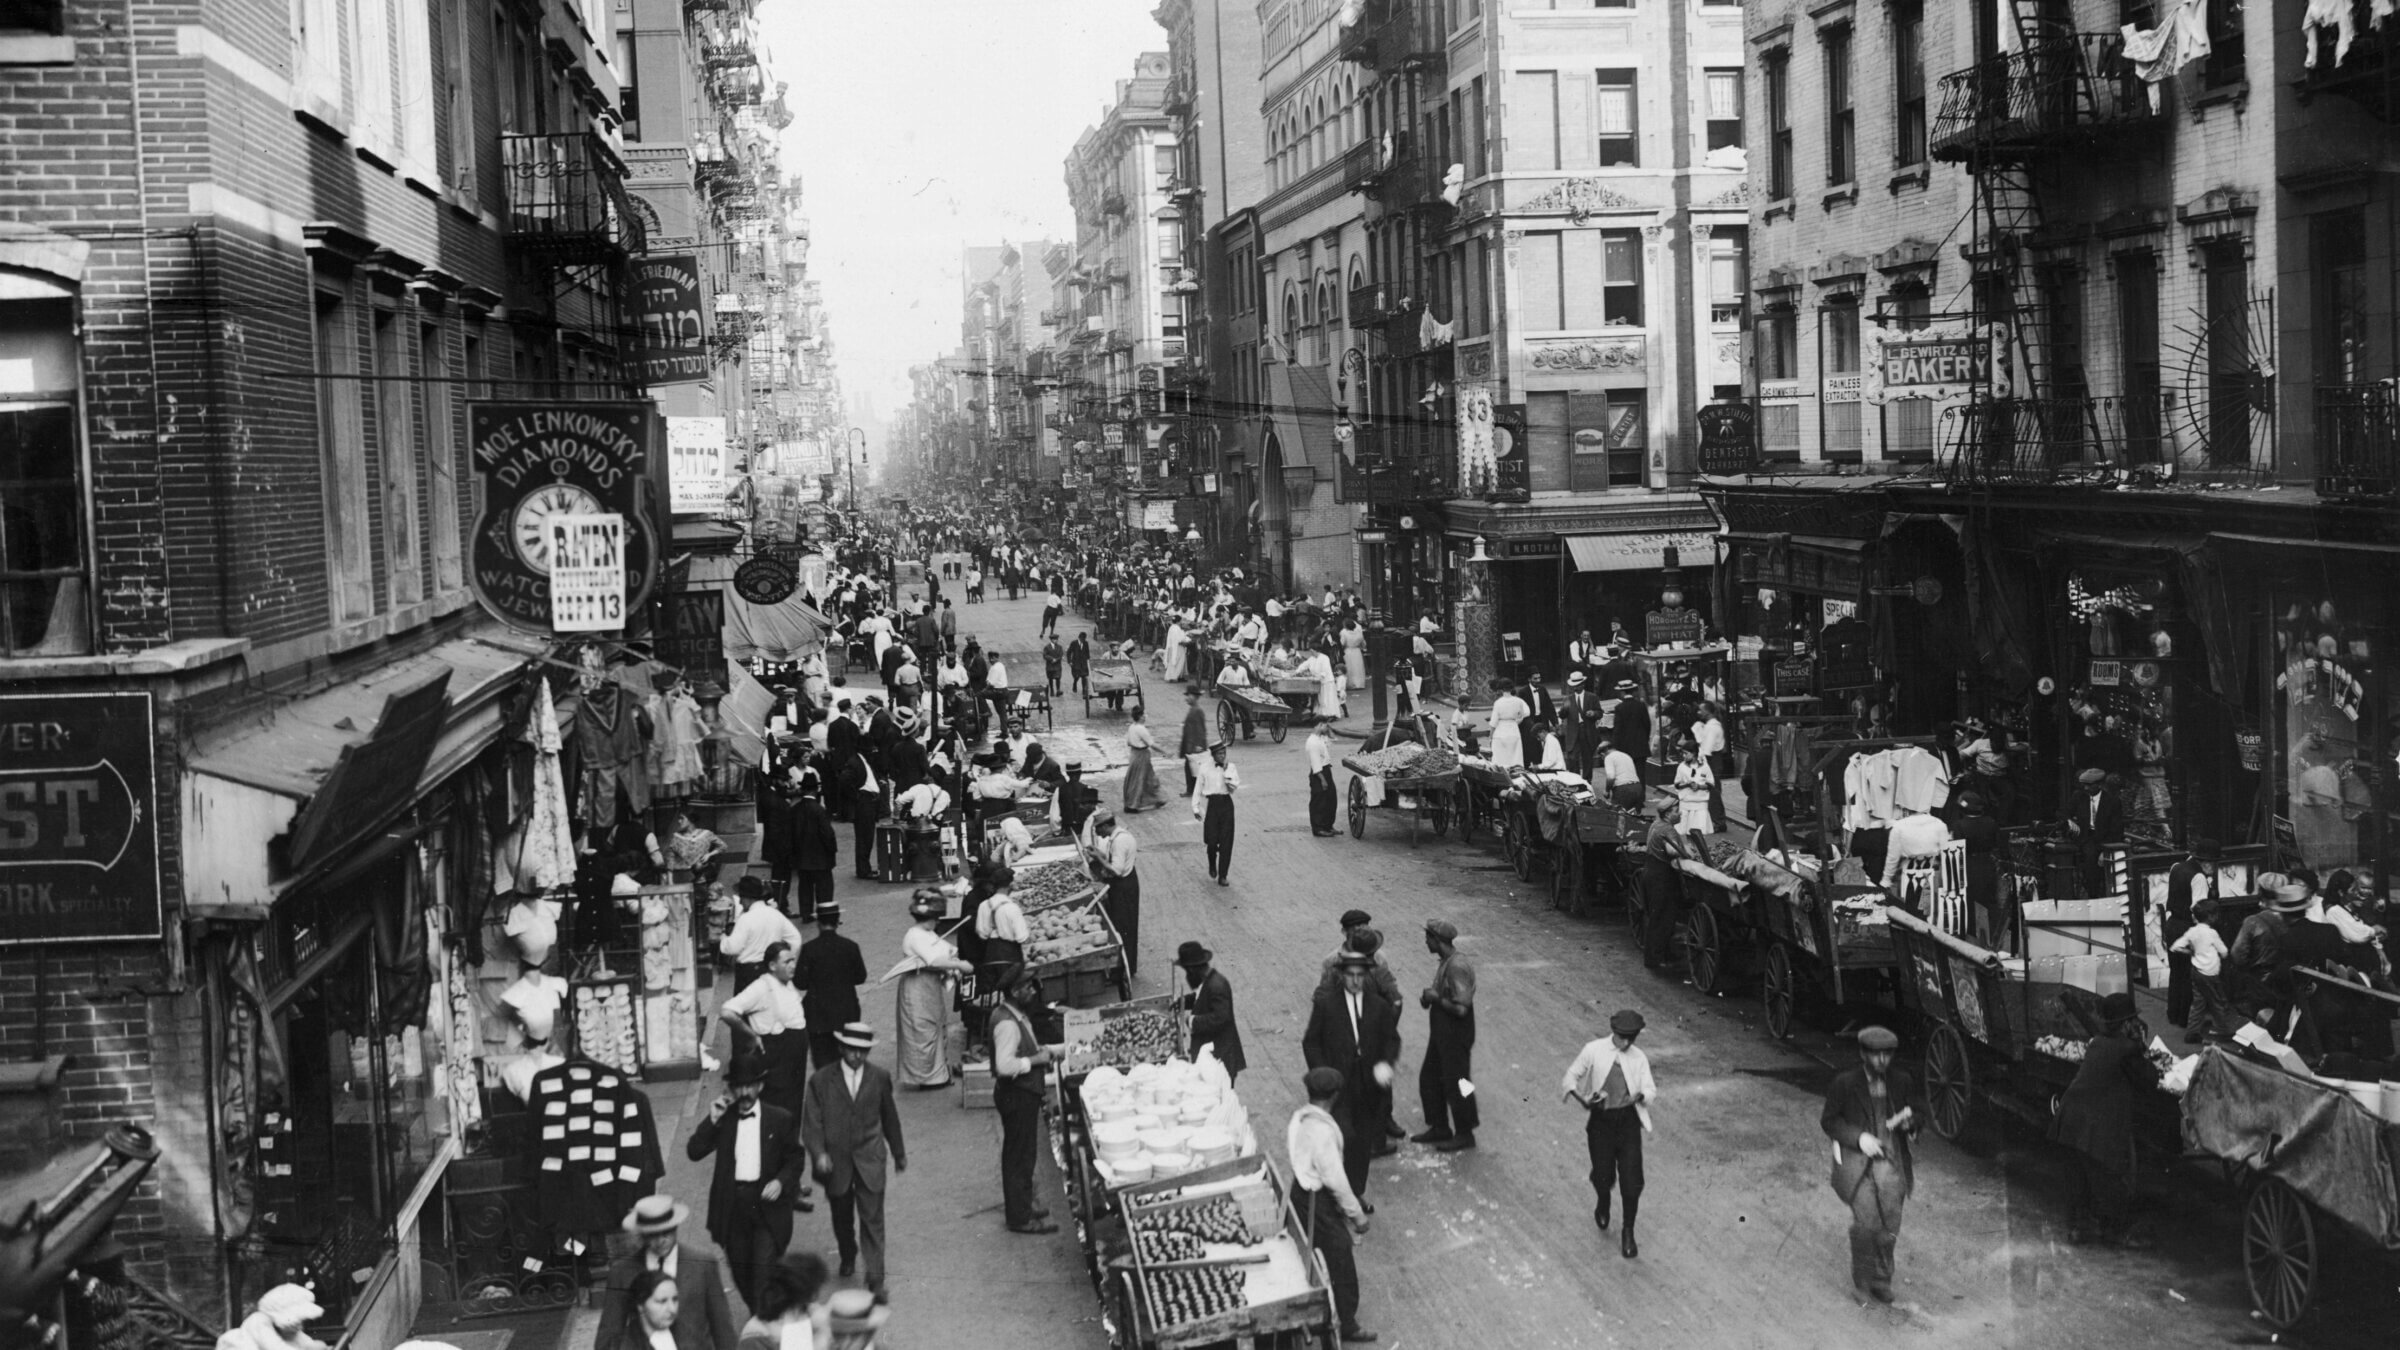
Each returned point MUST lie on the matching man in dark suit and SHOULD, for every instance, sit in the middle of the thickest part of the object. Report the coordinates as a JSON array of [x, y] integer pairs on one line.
[[1632, 733], [857, 779], [1871, 1114], [1350, 1030], [703, 1316], [850, 1125], [1195, 735], [757, 1174], [1581, 724], [841, 737], [1211, 1000], [830, 971], [815, 848], [2095, 820], [2095, 1118]]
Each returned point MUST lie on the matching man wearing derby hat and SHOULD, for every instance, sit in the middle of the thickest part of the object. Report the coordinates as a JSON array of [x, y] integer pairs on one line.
[[2095, 1118], [1352, 1031], [851, 1125], [828, 974], [1331, 1212], [1871, 1115], [1211, 1002], [756, 1176], [1610, 1079], [1358, 935], [853, 1317], [2095, 820], [655, 1223]]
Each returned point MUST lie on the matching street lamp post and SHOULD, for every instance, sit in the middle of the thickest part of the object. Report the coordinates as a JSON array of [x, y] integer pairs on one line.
[[858, 451]]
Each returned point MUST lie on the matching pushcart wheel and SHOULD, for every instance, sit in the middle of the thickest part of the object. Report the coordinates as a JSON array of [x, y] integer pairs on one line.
[[1358, 809], [1949, 1081], [1437, 812], [1706, 950], [1565, 880], [1518, 847], [1779, 994], [1462, 805], [1224, 721], [1637, 905], [1275, 729], [2279, 1252]]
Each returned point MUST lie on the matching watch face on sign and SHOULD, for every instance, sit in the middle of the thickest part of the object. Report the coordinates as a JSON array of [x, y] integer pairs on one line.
[[531, 526]]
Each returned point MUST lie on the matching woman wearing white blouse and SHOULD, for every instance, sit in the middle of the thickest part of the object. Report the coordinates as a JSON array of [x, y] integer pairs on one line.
[[1693, 786], [1508, 743]]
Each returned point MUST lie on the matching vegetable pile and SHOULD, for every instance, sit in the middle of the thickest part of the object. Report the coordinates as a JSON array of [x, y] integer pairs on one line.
[[1220, 1220], [1181, 1296], [1063, 932], [1145, 1037], [1406, 760]]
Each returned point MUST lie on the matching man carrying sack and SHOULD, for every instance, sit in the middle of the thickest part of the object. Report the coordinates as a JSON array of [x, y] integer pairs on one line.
[[1871, 1117]]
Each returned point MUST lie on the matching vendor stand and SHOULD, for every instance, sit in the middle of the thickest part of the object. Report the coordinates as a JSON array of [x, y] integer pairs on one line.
[[1415, 779], [1249, 707], [1595, 848], [1661, 671], [1476, 799], [1112, 680], [1217, 1258]]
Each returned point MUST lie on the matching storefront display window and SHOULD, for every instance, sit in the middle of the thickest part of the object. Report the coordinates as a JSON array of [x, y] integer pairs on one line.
[[2123, 703], [2326, 696]]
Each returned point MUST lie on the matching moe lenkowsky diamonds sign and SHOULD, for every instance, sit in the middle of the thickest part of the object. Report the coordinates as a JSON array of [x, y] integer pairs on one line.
[[541, 461], [666, 304]]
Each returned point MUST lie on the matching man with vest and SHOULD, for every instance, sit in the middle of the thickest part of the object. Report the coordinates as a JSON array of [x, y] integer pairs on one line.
[[1020, 1062]]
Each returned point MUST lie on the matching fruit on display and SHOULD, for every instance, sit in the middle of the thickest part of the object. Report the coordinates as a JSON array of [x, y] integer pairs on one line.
[[2059, 1047], [1178, 1297], [1219, 1220], [1167, 1244], [1065, 932], [1143, 1037], [1049, 884], [1406, 760]]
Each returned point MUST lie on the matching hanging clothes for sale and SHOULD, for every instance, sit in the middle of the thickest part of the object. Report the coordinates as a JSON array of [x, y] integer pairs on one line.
[[680, 731], [613, 735], [593, 1148], [1921, 781], [1869, 782]]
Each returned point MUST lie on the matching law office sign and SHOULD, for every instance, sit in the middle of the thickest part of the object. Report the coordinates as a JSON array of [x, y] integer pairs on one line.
[[78, 819], [542, 463]]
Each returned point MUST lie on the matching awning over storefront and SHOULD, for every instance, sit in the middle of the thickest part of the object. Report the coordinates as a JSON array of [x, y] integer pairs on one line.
[[1830, 565], [785, 631], [1301, 403], [247, 782], [1639, 550]]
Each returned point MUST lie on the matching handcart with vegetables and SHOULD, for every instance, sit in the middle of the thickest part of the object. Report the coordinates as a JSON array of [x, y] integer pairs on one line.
[[2314, 1166], [1416, 779], [1216, 1258]]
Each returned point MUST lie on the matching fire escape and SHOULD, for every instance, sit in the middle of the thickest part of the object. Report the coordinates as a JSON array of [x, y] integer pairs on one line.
[[2020, 121]]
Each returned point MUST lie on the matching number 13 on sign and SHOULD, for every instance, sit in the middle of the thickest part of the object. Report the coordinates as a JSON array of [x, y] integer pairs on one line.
[[587, 572]]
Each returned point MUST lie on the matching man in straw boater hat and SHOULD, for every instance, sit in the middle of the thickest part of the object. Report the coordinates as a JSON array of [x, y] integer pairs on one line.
[[1610, 1080], [851, 1126], [757, 1173], [656, 1224], [1871, 1116]]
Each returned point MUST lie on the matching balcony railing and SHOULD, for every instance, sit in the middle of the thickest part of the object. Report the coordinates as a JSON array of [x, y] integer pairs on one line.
[[2059, 93], [2049, 440], [2358, 440], [1368, 164], [1398, 463], [2368, 74], [1372, 303], [566, 197]]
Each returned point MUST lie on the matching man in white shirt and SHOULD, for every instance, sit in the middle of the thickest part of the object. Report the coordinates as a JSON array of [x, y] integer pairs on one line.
[[1329, 1210], [1620, 778], [922, 804], [654, 1224], [1274, 608], [760, 926], [1321, 796], [1708, 734], [1610, 1080], [758, 1170], [1213, 786], [1252, 633], [851, 1128], [1914, 835], [766, 1018]]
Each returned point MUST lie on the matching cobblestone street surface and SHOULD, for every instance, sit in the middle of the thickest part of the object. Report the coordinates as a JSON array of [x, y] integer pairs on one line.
[[1742, 1242]]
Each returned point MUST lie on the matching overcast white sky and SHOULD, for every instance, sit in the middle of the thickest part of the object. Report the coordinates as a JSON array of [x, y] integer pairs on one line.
[[924, 127]]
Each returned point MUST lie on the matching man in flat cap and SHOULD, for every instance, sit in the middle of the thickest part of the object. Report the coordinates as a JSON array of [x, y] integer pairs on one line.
[[1445, 1083], [1610, 1080], [1330, 1210], [1871, 1116], [2095, 820]]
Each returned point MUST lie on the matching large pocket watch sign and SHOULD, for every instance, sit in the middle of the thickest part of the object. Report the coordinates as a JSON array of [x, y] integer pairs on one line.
[[542, 464]]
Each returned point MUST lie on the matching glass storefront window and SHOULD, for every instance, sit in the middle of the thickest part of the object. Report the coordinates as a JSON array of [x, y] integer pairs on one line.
[[2122, 705], [2325, 689]]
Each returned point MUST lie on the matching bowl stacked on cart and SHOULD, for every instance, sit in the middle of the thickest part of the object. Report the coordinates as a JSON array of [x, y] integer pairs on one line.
[[1162, 1120]]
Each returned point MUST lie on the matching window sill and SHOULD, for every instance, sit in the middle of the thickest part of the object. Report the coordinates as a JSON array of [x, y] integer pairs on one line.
[[1845, 195], [1915, 178], [175, 658], [2238, 95], [36, 49], [1780, 207]]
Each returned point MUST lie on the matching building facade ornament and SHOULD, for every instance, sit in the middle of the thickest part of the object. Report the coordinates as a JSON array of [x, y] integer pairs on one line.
[[1586, 354], [1579, 199]]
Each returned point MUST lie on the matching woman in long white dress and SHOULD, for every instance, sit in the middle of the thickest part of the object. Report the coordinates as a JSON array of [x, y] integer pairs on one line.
[[1693, 782], [1508, 742], [1319, 666], [923, 1012], [1171, 655], [1354, 654]]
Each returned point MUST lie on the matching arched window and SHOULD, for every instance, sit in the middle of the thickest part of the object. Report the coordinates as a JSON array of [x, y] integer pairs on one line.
[[1291, 313], [1325, 305]]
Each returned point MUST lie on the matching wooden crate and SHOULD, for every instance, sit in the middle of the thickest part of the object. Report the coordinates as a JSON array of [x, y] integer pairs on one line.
[[976, 1082]]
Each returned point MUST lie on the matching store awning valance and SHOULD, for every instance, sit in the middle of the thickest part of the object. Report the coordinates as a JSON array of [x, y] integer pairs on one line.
[[1640, 550], [785, 631]]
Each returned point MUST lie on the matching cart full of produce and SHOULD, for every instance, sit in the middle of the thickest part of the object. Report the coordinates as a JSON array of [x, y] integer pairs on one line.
[[1074, 949], [1217, 1257], [1053, 876], [1416, 779]]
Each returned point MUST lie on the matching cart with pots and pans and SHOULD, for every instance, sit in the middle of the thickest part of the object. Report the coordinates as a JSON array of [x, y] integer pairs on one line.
[[2313, 1167], [1114, 681], [1275, 706]]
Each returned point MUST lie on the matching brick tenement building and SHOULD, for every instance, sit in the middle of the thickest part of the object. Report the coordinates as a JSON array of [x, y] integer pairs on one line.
[[255, 258]]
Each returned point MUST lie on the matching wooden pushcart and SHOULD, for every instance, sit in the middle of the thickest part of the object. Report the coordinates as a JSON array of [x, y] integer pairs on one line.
[[1113, 680], [1250, 707], [1595, 849], [1476, 799], [1425, 801], [1289, 1303]]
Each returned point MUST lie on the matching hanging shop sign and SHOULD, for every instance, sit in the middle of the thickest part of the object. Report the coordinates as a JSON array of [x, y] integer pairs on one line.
[[587, 573], [1158, 515], [1795, 675], [766, 580], [697, 469], [1937, 362], [667, 309], [1728, 432], [543, 461], [78, 819], [374, 779]]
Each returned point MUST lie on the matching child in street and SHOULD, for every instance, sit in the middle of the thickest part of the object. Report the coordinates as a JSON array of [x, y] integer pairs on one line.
[[2206, 946]]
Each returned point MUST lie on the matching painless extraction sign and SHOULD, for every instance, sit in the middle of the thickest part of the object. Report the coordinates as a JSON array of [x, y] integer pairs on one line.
[[78, 819], [541, 462]]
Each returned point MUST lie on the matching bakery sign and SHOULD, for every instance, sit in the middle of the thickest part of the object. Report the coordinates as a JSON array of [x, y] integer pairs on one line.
[[1936, 361], [543, 465], [78, 819]]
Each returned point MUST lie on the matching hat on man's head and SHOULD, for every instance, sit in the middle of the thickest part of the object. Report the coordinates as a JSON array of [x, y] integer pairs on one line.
[[1970, 801], [1356, 918], [927, 903], [2119, 1007], [1575, 679], [751, 888], [829, 914], [2289, 898], [2091, 776], [1626, 1023], [655, 1214], [1441, 928], [1366, 942], [1878, 1038], [1192, 954], [856, 1035], [1322, 1081], [1628, 687], [746, 1069], [854, 1312], [1074, 766], [1355, 960]]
